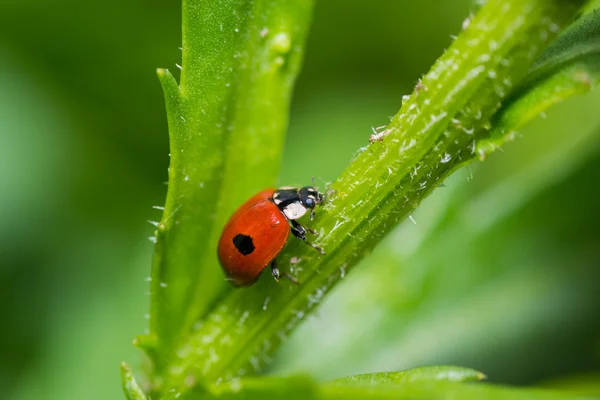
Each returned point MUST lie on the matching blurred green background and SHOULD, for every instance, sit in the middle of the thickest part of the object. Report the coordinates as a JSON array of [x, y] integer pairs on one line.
[[500, 272]]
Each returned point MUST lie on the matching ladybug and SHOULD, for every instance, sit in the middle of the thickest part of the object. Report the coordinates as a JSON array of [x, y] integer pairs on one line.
[[259, 229]]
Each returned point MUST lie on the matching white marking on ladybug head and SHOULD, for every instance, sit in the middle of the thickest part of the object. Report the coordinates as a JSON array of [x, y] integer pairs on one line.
[[294, 211]]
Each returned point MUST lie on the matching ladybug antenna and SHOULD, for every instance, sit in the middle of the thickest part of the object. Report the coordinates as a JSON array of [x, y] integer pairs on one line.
[[325, 183]]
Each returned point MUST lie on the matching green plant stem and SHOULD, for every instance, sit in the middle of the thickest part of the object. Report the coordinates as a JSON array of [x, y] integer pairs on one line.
[[435, 132], [226, 122]]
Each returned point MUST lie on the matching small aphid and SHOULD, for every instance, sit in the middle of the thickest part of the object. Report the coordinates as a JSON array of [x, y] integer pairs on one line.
[[420, 87], [379, 134]]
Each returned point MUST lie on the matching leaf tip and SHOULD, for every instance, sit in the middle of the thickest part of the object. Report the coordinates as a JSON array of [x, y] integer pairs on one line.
[[163, 72], [130, 386], [125, 368], [168, 82]]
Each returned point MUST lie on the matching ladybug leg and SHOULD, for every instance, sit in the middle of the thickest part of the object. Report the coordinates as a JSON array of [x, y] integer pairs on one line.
[[311, 230], [275, 270], [277, 274], [300, 232], [303, 229], [306, 228]]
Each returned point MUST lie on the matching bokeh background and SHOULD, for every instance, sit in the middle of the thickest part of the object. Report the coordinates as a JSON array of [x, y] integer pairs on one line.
[[500, 272]]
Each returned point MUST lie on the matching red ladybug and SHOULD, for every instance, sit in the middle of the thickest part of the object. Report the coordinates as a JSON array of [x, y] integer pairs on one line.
[[258, 230]]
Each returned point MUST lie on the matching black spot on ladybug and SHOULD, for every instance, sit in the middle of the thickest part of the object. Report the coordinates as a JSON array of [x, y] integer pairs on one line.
[[243, 243]]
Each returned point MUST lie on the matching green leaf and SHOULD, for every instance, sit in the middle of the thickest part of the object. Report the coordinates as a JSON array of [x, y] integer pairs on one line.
[[226, 124], [303, 388], [433, 134], [570, 66], [130, 386], [434, 373], [439, 390]]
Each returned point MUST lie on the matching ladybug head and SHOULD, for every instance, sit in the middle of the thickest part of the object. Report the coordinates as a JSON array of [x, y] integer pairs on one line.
[[310, 197]]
